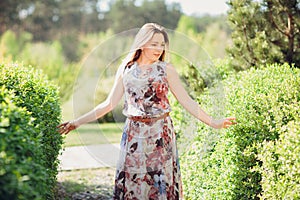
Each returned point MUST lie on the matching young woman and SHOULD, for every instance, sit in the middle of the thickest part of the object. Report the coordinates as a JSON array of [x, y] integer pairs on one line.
[[148, 166]]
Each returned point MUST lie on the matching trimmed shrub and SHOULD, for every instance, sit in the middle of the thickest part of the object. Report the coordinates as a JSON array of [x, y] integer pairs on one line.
[[280, 168], [230, 165], [22, 173], [32, 91]]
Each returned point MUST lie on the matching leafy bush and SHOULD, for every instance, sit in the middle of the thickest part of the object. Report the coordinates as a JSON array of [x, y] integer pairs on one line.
[[230, 165], [280, 168], [22, 173], [33, 92]]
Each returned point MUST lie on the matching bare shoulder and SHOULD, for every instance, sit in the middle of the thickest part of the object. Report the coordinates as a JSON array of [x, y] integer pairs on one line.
[[169, 65], [171, 71]]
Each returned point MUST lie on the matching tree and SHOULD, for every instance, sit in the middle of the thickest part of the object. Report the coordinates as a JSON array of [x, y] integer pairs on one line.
[[187, 24], [10, 13], [264, 31], [158, 11], [127, 14], [40, 20], [49, 19], [32, 16], [123, 15]]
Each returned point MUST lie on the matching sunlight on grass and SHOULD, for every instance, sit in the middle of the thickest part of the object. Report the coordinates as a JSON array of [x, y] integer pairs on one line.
[[95, 181], [91, 134]]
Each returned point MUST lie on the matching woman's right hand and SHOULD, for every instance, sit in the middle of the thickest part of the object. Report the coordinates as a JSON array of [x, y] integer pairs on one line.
[[66, 127]]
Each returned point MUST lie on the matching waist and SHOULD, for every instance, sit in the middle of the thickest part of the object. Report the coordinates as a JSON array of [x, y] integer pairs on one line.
[[148, 119]]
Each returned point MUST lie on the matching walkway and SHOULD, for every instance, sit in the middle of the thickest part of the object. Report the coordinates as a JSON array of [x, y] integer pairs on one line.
[[86, 157]]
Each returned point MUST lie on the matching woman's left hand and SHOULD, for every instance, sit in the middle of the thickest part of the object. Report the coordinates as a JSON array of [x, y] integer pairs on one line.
[[223, 123]]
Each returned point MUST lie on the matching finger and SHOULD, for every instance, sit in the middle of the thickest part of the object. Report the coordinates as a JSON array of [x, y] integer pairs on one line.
[[67, 126], [62, 125], [231, 118], [63, 130], [227, 125], [66, 132], [226, 122], [231, 122], [59, 126]]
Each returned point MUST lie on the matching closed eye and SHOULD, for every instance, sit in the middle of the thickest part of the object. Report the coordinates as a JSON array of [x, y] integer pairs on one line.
[[156, 45]]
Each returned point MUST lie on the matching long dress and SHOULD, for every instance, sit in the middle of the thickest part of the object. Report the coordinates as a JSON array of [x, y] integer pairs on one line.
[[148, 166]]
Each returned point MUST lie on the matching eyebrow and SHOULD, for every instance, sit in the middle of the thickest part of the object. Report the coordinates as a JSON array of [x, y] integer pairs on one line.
[[157, 42]]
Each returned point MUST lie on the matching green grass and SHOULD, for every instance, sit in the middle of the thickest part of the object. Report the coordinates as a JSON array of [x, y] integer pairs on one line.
[[91, 134], [95, 181]]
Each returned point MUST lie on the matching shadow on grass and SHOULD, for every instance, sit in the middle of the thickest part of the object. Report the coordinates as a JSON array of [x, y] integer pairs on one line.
[[82, 184], [69, 190]]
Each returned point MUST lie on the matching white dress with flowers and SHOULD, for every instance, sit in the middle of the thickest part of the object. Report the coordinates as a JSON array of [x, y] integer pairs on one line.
[[148, 166]]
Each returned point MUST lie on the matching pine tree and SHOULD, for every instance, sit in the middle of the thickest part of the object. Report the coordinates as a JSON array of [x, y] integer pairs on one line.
[[264, 31]]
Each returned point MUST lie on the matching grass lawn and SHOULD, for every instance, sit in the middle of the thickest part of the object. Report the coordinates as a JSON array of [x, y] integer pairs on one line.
[[90, 134], [72, 184]]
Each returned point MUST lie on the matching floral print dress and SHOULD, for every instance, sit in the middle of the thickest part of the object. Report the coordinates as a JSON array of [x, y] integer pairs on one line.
[[148, 166]]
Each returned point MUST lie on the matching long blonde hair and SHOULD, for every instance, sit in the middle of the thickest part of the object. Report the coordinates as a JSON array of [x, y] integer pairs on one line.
[[144, 35]]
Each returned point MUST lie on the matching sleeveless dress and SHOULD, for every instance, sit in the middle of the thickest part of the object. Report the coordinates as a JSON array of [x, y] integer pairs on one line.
[[148, 166]]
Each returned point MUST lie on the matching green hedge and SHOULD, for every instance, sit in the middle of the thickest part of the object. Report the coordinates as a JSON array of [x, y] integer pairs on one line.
[[39, 97], [231, 165], [280, 168], [21, 173]]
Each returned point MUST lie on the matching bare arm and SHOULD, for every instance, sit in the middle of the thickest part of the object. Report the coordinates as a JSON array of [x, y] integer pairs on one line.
[[109, 104], [189, 104]]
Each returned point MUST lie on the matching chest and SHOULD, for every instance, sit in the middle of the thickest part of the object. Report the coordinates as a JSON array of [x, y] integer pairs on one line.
[[146, 81]]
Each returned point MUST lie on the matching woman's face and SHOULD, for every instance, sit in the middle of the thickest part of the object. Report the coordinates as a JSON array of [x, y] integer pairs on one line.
[[154, 48]]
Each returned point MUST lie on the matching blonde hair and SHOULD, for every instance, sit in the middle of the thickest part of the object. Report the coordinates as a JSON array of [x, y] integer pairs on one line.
[[144, 35]]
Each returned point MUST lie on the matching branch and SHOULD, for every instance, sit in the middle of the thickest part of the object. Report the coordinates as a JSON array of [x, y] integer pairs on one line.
[[273, 21], [248, 46]]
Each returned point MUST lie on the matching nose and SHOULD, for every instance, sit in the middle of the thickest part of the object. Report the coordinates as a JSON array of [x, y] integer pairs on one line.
[[159, 48]]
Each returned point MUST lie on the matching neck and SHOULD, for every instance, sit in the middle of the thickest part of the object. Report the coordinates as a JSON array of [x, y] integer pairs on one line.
[[144, 61]]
